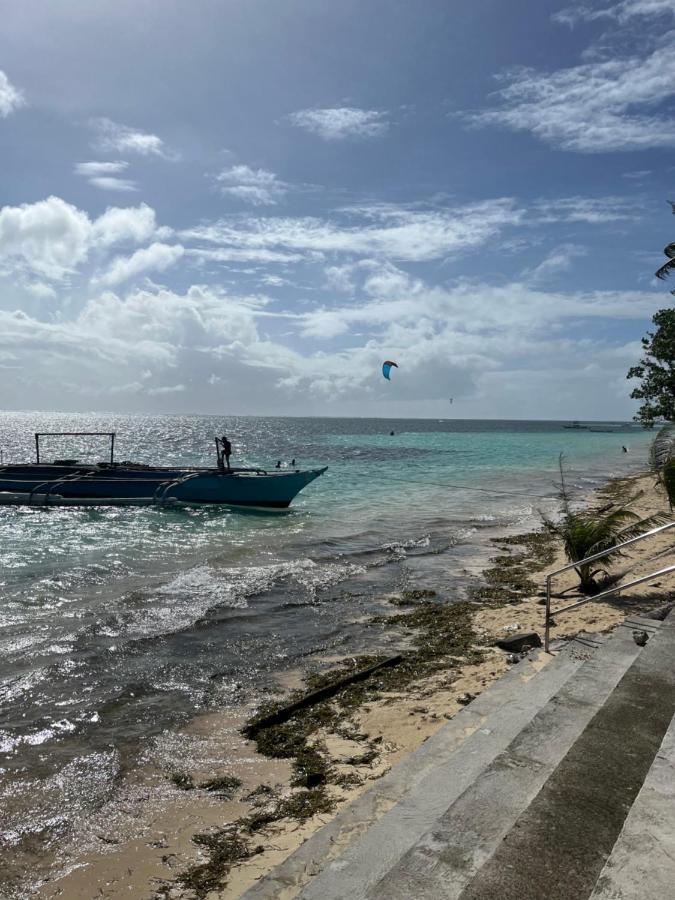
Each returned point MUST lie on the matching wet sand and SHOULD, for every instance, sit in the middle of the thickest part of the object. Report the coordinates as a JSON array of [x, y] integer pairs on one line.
[[139, 854]]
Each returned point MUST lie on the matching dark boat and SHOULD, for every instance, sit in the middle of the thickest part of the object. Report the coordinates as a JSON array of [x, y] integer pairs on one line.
[[67, 482]]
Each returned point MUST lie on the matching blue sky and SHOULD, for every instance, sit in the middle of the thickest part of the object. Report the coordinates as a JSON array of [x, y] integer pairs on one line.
[[245, 207]]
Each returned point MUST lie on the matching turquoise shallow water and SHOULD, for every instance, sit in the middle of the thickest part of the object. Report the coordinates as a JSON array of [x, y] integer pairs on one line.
[[117, 625]]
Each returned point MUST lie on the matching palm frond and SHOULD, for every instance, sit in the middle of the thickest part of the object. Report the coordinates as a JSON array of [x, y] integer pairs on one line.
[[663, 447], [665, 269], [642, 525]]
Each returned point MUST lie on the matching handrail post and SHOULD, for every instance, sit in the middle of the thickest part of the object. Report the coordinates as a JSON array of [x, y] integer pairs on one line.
[[547, 623]]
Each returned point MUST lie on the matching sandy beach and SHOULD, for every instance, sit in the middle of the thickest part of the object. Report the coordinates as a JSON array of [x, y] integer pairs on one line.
[[151, 851]]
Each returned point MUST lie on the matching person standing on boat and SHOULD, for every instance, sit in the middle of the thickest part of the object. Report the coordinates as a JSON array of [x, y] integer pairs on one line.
[[225, 453]]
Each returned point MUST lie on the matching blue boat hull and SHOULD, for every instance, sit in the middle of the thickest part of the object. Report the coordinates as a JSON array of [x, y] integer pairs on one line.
[[72, 486]]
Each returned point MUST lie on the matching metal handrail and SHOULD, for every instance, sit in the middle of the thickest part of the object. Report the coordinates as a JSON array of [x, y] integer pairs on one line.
[[593, 558]]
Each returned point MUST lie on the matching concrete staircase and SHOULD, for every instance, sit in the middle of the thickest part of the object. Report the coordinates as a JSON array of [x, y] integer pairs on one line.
[[557, 782]]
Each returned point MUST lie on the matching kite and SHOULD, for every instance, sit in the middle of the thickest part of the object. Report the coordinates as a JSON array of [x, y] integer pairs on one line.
[[386, 368]]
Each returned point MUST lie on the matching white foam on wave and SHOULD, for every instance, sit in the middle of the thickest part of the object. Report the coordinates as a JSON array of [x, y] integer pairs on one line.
[[316, 577], [188, 596], [410, 544], [9, 742], [234, 585]]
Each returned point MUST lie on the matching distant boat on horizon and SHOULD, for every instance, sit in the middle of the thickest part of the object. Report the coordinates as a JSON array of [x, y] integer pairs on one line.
[[577, 426]]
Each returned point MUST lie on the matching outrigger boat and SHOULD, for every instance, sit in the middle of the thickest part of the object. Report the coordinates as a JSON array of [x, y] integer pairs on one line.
[[67, 482]]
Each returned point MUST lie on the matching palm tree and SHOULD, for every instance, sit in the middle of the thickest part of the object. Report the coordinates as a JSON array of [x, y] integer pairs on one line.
[[587, 532]]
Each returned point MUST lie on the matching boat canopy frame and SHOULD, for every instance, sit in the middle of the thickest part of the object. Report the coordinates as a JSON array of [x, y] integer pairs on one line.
[[109, 434]]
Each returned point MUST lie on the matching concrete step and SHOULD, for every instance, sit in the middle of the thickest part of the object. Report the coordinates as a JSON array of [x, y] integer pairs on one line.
[[474, 736], [642, 862], [561, 842], [462, 837]]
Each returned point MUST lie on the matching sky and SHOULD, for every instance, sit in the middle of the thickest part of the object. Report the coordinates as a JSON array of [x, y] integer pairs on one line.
[[246, 206]]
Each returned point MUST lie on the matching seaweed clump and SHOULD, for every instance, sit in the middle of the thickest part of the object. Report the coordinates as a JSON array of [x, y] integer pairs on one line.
[[225, 848], [182, 781], [224, 786], [442, 631], [228, 846], [508, 578]]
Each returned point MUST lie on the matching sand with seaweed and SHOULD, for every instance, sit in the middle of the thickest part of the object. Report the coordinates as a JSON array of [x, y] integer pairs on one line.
[[213, 837]]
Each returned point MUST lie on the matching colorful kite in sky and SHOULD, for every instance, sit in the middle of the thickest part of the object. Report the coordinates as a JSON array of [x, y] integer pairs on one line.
[[386, 368]]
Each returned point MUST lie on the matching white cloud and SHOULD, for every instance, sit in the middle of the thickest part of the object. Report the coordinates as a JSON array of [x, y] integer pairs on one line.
[[202, 317], [228, 255], [379, 231], [10, 97], [116, 138], [117, 225], [41, 290], [166, 389], [67, 349], [255, 186], [621, 12], [105, 175], [558, 260], [156, 258], [590, 210], [52, 238], [145, 343], [273, 280], [382, 230], [91, 169], [341, 122], [594, 107], [517, 314], [109, 183]]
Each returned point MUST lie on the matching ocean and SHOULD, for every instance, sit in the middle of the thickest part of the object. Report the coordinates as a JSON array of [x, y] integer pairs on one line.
[[119, 625]]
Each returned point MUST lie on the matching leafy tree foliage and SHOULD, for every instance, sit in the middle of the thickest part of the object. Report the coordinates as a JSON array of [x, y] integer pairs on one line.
[[656, 371]]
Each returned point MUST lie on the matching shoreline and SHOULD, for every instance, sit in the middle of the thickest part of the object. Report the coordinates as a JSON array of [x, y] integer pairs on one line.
[[370, 734]]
